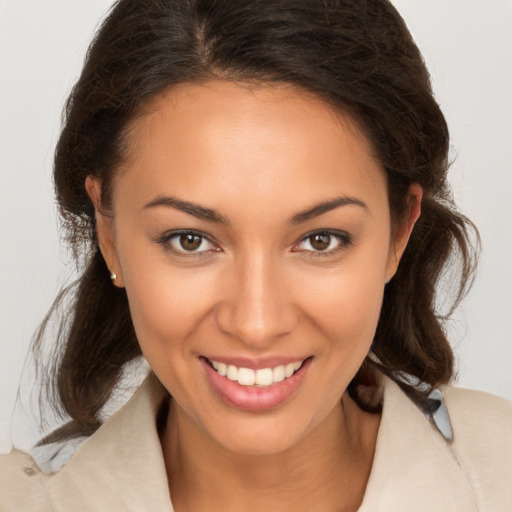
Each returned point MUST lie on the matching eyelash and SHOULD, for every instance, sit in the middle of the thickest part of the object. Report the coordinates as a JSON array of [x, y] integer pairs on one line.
[[343, 238], [166, 242]]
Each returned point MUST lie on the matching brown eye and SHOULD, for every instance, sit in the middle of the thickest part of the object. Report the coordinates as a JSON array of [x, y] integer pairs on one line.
[[190, 241], [320, 241], [187, 243], [324, 243]]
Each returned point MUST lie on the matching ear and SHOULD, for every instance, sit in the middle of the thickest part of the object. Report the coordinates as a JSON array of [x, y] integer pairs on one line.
[[104, 231], [404, 229]]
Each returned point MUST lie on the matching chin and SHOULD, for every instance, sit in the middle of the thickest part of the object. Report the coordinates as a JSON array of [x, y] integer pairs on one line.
[[264, 440]]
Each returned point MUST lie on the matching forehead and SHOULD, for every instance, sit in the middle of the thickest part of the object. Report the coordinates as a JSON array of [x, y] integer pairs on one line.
[[203, 142]]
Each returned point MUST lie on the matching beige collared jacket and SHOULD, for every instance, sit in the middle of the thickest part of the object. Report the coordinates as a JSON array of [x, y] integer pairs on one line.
[[415, 469]]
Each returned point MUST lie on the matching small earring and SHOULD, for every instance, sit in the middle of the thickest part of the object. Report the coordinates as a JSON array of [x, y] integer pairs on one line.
[[113, 276]]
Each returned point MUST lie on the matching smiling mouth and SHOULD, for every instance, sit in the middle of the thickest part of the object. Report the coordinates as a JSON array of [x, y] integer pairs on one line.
[[261, 378]]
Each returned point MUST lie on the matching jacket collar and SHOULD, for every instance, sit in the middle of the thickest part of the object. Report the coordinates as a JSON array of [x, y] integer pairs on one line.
[[121, 466], [413, 467]]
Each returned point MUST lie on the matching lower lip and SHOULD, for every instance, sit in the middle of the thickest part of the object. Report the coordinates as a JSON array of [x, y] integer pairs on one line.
[[251, 398]]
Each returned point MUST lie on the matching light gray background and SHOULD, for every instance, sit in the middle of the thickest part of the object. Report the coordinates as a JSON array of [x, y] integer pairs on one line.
[[467, 45]]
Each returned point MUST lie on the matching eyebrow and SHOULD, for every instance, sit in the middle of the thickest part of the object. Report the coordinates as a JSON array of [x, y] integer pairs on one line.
[[214, 216], [324, 207], [191, 208]]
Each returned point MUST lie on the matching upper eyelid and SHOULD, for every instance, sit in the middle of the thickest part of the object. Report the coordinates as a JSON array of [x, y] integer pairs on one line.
[[333, 232], [176, 232]]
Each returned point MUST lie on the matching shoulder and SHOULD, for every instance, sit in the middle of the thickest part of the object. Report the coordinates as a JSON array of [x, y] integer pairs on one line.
[[22, 485], [469, 401], [109, 471], [482, 443], [479, 414]]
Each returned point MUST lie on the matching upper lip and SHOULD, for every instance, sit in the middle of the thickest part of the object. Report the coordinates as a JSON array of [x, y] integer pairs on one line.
[[256, 363]]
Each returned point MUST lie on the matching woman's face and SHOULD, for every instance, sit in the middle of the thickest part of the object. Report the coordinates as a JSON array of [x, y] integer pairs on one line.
[[251, 230]]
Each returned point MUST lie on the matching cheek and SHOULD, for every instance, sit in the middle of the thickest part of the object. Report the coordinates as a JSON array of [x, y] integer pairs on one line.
[[348, 320], [347, 301], [165, 307], [166, 302], [348, 315], [345, 307], [168, 308]]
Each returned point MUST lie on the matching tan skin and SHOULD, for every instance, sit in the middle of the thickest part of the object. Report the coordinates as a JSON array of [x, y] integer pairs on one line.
[[253, 283]]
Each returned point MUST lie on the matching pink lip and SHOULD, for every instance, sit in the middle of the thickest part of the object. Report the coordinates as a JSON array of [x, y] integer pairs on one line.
[[254, 399]]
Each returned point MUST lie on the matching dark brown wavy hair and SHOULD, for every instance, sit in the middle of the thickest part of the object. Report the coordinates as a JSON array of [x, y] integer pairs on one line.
[[356, 55]]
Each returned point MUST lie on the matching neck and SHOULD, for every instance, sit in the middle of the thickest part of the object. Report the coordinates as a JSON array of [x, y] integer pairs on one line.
[[327, 470]]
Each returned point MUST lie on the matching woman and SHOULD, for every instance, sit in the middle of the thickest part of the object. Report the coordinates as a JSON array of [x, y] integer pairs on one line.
[[258, 191]]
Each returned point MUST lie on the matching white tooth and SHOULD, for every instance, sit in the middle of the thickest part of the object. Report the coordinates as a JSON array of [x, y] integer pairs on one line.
[[223, 368], [289, 369], [232, 372], [264, 377], [215, 365], [296, 366], [246, 376], [278, 373]]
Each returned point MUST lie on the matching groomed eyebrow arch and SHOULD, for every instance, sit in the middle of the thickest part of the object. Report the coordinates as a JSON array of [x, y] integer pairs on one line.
[[324, 207], [211, 215], [191, 208]]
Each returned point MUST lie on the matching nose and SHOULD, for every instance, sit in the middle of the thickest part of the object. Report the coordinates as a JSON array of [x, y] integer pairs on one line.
[[256, 307]]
